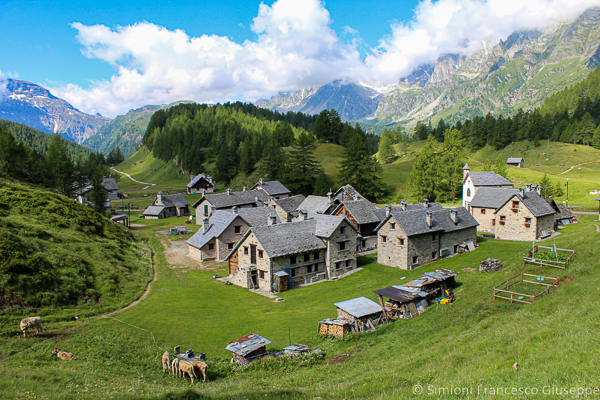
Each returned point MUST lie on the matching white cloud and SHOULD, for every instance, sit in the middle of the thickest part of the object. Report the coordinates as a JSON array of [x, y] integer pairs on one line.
[[295, 48], [3, 83]]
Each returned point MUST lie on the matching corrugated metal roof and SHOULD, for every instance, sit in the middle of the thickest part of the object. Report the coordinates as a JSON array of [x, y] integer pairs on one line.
[[247, 344], [359, 307], [514, 160], [397, 294]]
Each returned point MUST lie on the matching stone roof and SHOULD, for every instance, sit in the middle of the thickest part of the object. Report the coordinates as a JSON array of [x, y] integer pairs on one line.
[[257, 216], [350, 191], [274, 188], [415, 223], [197, 178], [361, 210], [534, 202], [315, 204], [174, 200], [153, 210], [562, 212], [327, 224], [488, 178], [110, 184], [217, 224], [490, 197], [290, 238], [514, 160], [381, 212], [224, 200], [289, 204]]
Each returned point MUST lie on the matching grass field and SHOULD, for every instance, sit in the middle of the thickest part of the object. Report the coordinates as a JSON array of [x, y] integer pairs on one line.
[[471, 343]]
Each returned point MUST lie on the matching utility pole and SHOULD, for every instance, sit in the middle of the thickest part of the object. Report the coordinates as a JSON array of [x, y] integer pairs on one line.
[[567, 193]]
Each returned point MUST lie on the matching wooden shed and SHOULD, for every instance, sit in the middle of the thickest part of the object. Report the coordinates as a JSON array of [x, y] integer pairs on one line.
[[335, 327], [247, 348], [362, 314]]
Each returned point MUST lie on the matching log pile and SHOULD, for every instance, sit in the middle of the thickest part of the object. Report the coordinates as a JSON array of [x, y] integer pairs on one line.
[[490, 265]]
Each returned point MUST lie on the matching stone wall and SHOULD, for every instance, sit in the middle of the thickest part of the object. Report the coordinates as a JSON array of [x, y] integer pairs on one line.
[[426, 248], [545, 223], [200, 215], [229, 236], [262, 264], [391, 252], [485, 220], [334, 255], [514, 226], [451, 239]]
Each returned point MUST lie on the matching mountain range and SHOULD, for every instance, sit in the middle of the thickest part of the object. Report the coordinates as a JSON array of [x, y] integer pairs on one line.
[[520, 72]]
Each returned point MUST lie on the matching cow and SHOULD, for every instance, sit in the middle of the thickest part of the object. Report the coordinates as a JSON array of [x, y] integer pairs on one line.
[[63, 355], [186, 367], [175, 367], [35, 322], [166, 361], [202, 367]]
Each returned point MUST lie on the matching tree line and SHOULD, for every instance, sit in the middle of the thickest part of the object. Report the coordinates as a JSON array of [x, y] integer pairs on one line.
[[54, 167]]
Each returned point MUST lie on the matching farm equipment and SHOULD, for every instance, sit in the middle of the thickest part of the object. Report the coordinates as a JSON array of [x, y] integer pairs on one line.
[[447, 298]]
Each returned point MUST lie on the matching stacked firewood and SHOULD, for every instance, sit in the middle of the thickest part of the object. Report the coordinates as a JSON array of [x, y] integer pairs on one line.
[[490, 265]]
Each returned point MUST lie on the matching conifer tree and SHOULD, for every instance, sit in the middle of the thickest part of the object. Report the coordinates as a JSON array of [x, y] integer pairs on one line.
[[323, 184], [387, 153], [273, 164], [487, 166], [423, 178], [500, 167], [547, 187], [303, 168], [360, 169]]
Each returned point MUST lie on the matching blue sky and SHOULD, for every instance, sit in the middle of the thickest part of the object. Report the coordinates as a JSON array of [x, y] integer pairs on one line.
[[114, 56]]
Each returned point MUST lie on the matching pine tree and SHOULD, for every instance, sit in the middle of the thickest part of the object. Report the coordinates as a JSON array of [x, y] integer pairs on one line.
[[547, 187], [245, 157], [487, 166], [63, 169], [273, 164], [328, 126], [500, 167], [423, 178], [387, 153], [360, 169], [303, 168], [323, 184], [596, 138]]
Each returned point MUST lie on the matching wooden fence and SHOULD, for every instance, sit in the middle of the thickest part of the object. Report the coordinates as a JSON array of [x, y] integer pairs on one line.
[[502, 291], [530, 257]]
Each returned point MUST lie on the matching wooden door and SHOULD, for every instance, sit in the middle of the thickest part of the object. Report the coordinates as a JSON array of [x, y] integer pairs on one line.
[[253, 254]]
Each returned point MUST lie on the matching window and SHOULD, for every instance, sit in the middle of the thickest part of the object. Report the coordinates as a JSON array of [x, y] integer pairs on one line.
[[515, 205], [342, 230], [348, 263], [434, 237], [306, 257], [309, 269], [483, 210], [502, 219], [455, 248], [527, 222], [401, 241], [237, 229], [342, 245], [392, 225], [211, 246], [338, 265], [468, 192], [434, 255], [261, 274], [415, 259], [383, 239], [316, 256], [294, 272], [260, 254], [493, 222], [206, 210], [293, 260], [230, 246], [246, 250], [317, 267]]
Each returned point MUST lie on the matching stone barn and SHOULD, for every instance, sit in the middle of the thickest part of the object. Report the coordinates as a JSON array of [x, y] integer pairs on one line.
[[248, 348]]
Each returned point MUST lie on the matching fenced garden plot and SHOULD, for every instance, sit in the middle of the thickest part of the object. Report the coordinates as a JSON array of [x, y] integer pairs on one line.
[[549, 256], [521, 289]]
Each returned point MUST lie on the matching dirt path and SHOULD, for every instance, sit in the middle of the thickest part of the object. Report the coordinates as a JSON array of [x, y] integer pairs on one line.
[[135, 180], [570, 169]]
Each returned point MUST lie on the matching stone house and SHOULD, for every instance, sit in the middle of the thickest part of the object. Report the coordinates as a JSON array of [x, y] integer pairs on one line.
[[524, 216], [278, 256], [348, 193], [319, 204], [484, 204], [286, 207], [515, 162], [274, 189], [409, 239], [473, 181], [222, 231], [209, 203], [165, 206], [199, 183], [111, 187]]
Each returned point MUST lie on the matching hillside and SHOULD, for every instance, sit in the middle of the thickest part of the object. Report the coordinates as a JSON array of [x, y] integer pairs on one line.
[[36, 107], [39, 141]]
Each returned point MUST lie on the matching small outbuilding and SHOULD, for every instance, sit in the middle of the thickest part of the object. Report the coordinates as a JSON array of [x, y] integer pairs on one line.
[[199, 183], [362, 314], [516, 162], [248, 348], [335, 327]]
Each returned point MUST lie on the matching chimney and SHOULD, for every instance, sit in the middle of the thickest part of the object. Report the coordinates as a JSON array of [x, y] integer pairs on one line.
[[261, 181], [235, 209], [192, 177], [522, 191], [539, 190], [330, 197], [203, 192], [205, 225], [228, 192], [426, 203], [272, 219], [302, 215], [403, 205], [454, 216], [528, 187], [209, 178], [245, 188], [428, 216], [159, 199], [213, 209], [388, 210]]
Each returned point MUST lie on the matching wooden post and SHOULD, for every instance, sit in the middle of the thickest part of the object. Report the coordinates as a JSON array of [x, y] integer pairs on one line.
[[383, 308]]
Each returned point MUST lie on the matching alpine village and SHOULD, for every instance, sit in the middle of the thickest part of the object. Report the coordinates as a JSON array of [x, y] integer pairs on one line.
[[436, 239]]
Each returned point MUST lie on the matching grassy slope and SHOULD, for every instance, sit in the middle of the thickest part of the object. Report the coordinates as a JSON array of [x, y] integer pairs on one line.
[[471, 342]]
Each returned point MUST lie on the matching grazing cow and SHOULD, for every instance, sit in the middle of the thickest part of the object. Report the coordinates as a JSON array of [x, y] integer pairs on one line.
[[202, 367], [63, 355], [175, 367], [31, 322], [166, 361], [187, 367]]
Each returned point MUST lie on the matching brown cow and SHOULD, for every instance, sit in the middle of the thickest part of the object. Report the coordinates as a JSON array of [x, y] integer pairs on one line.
[[35, 322], [187, 367], [202, 367], [166, 361], [63, 355]]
